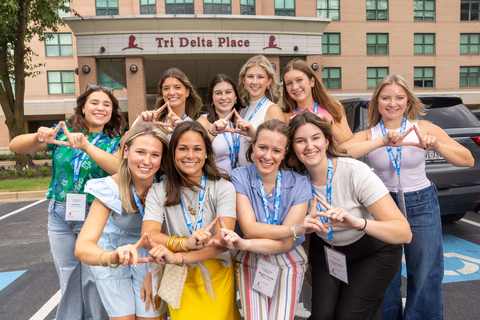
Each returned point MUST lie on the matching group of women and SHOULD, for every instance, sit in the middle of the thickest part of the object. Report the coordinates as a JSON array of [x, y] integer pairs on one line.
[[249, 191]]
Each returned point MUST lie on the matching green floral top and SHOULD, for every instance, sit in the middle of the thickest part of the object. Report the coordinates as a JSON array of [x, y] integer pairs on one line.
[[63, 162]]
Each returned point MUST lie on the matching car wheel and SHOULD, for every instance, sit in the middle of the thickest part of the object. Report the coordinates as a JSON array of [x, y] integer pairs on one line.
[[451, 218]]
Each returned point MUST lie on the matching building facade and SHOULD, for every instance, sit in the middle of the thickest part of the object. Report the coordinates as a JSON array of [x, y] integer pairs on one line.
[[128, 44]]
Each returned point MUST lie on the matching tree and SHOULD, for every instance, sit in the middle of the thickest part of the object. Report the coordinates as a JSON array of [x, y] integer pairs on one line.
[[20, 22]]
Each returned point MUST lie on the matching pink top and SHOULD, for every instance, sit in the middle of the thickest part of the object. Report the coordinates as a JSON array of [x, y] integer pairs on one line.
[[320, 110]]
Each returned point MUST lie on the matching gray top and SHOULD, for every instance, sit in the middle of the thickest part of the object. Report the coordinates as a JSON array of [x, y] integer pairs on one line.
[[354, 187]]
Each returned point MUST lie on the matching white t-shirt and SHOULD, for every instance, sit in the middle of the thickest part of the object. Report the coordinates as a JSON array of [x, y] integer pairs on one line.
[[222, 151]]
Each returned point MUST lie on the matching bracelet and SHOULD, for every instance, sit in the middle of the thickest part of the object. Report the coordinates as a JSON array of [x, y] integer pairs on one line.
[[170, 242], [184, 255], [182, 245], [109, 262], [89, 144], [100, 256], [212, 133], [295, 237], [176, 246], [364, 225]]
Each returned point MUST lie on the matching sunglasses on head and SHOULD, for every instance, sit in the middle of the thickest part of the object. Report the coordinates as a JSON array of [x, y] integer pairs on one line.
[[94, 87]]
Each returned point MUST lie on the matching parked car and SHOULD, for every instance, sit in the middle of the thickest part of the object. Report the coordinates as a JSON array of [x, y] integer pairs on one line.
[[458, 187], [476, 113]]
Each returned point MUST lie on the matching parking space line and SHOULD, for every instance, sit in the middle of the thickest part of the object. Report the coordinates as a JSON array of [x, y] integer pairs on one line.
[[21, 209], [471, 222], [47, 307]]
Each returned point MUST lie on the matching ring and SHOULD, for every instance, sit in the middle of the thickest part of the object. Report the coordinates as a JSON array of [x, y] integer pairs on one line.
[[126, 251], [204, 232]]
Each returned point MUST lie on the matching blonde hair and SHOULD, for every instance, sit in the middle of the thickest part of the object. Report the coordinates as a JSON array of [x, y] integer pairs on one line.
[[124, 176], [273, 92], [414, 105]]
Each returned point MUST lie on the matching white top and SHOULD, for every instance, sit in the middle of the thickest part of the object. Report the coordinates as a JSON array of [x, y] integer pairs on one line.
[[257, 120], [412, 170], [222, 152]]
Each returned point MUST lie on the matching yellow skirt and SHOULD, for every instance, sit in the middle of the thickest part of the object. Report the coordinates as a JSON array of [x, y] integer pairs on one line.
[[197, 304]]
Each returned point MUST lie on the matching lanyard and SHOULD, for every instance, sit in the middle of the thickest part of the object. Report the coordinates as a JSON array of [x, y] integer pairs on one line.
[[397, 163], [277, 199], [237, 136], [137, 198], [201, 194], [231, 149], [78, 162], [170, 134], [315, 109], [329, 195]]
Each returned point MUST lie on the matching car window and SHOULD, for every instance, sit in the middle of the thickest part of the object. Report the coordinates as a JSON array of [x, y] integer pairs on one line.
[[458, 116]]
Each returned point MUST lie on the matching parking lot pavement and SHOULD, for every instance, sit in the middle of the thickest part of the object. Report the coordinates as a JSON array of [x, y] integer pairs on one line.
[[29, 286]]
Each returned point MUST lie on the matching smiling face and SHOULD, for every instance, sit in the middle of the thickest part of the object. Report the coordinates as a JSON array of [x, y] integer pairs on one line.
[[299, 87], [269, 151], [392, 102], [174, 92], [256, 81], [309, 144], [144, 157], [97, 110], [190, 154], [224, 98]]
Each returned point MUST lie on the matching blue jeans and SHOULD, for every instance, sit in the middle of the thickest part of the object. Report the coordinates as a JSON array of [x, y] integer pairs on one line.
[[80, 298], [424, 260]]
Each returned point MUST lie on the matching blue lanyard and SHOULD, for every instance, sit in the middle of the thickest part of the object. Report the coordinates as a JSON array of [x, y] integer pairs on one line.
[[79, 161], [231, 150], [315, 109], [201, 194], [329, 195], [256, 108], [170, 134], [137, 198], [277, 199], [397, 163]]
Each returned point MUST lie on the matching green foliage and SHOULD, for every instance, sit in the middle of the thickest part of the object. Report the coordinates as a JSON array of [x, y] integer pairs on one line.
[[2, 168], [24, 184], [43, 170], [30, 172], [5, 174], [18, 173], [13, 172]]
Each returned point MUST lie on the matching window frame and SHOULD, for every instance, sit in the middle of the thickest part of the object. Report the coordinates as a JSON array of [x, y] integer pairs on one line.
[[248, 7], [328, 44], [469, 43], [107, 8], [149, 6], [59, 45], [285, 10], [64, 14], [376, 10], [328, 10], [211, 2], [422, 17], [469, 11], [423, 44], [377, 45], [423, 77], [377, 77], [61, 81], [178, 3], [328, 80], [469, 76], [116, 85]]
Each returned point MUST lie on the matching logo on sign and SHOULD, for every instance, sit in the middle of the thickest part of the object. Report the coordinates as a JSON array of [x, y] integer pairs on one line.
[[272, 44], [131, 43]]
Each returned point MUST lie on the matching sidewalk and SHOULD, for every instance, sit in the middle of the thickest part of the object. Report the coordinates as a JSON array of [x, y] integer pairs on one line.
[[22, 196]]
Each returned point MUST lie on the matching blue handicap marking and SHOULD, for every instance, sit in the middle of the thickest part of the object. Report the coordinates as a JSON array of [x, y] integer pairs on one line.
[[8, 277]]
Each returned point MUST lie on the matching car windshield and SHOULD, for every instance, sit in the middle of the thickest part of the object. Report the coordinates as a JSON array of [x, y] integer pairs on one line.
[[451, 117]]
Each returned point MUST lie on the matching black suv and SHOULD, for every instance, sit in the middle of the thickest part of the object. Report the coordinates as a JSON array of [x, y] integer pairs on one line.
[[458, 188]]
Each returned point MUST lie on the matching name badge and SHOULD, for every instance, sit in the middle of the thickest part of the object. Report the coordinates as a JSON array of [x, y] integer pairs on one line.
[[336, 264], [265, 277], [156, 272], [76, 204]]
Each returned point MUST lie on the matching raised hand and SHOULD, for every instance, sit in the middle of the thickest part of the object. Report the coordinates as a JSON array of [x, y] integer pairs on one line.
[[426, 141], [229, 238], [128, 254], [200, 237], [310, 224], [151, 116], [76, 140], [172, 119], [339, 217], [221, 125], [159, 253], [395, 139], [48, 135], [244, 127]]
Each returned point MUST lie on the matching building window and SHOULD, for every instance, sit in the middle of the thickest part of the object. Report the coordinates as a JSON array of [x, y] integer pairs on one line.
[[58, 45], [112, 73], [61, 13], [331, 43], [217, 7], [424, 77], [106, 7], [377, 9], [148, 7], [469, 43], [247, 7], [424, 43], [61, 82], [179, 7], [469, 76], [469, 10], [332, 78], [328, 9], [12, 84], [424, 10], [285, 8], [377, 43], [374, 75]]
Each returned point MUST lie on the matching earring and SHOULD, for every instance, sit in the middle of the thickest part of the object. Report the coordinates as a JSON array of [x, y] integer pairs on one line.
[[326, 148], [205, 157], [268, 87], [124, 157]]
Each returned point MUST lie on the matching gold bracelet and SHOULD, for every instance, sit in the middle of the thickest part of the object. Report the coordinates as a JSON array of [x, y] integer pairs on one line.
[[182, 245], [110, 262], [170, 242], [175, 246], [100, 256]]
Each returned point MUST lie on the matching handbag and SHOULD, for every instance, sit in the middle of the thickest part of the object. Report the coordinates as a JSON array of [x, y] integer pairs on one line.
[[173, 280]]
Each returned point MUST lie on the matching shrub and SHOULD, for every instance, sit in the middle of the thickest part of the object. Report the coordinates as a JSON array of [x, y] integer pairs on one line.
[[30, 172], [45, 164], [5, 174], [18, 173], [43, 170], [2, 168], [13, 172]]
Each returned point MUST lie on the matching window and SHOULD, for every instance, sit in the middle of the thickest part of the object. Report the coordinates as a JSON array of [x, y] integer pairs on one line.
[[58, 45], [148, 7], [285, 8], [424, 10], [112, 73], [61, 82], [331, 43], [377, 9], [377, 43], [328, 9], [332, 78], [469, 43], [179, 7], [217, 7], [424, 43], [469, 76], [247, 7], [469, 10], [12, 83], [424, 77], [374, 75], [61, 13], [106, 7]]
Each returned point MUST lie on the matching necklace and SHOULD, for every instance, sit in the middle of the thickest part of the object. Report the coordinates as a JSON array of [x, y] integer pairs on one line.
[[190, 207]]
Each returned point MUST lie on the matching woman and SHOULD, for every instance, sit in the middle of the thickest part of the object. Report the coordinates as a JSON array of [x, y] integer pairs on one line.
[[223, 99], [392, 116], [260, 89], [371, 256], [303, 91], [87, 148], [186, 205], [111, 234], [270, 201]]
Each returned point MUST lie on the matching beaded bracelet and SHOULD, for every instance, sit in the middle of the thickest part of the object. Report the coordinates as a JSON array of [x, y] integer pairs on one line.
[[109, 262], [295, 237], [100, 256], [364, 225]]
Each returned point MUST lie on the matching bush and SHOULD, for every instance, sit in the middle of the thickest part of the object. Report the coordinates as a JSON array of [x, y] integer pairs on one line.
[[18, 173], [43, 170], [45, 164], [30, 172], [13, 172], [2, 168], [5, 174]]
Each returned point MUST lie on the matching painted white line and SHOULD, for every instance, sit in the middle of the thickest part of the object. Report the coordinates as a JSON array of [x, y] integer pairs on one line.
[[471, 222], [47, 307], [21, 209]]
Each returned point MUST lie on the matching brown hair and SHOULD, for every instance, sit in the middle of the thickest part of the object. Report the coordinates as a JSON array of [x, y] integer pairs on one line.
[[272, 93], [175, 177], [212, 114]]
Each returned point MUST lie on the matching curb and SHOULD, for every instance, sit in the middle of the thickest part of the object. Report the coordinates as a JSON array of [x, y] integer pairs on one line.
[[22, 195]]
